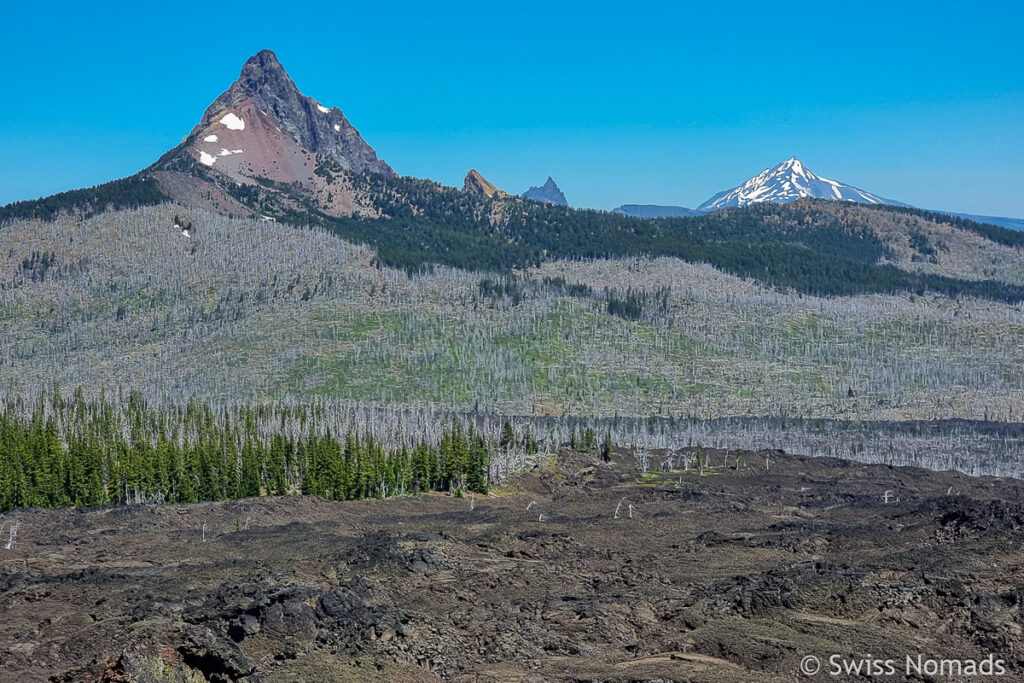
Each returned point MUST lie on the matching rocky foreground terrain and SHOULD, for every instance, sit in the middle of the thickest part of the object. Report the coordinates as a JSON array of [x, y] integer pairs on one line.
[[730, 571]]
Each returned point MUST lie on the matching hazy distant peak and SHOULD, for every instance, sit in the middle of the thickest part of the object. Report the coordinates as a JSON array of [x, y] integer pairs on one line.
[[548, 192], [655, 211]]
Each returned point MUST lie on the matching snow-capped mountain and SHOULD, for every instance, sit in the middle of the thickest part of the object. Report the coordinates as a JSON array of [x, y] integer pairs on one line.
[[787, 182]]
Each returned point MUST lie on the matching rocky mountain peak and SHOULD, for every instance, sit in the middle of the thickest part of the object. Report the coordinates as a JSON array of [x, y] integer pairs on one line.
[[548, 192], [262, 77], [264, 128], [264, 60], [265, 89]]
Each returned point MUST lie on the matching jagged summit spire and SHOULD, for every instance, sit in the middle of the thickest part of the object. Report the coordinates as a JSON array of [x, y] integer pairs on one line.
[[264, 67], [264, 57], [262, 77], [792, 165], [263, 128], [548, 192]]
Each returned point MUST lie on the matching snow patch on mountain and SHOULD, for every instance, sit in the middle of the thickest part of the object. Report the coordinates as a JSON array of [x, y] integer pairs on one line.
[[232, 121], [210, 138]]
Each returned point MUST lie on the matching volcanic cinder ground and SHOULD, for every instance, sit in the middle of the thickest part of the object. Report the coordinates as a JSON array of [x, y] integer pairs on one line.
[[729, 572]]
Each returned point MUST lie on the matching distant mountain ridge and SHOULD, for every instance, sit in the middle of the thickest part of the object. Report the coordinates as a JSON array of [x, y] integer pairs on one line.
[[1001, 221], [548, 192], [655, 211], [264, 148], [787, 182]]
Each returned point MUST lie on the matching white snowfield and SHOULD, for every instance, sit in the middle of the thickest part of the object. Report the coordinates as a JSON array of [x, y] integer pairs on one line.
[[210, 138], [210, 159], [323, 109], [232, 122], [786, 182]]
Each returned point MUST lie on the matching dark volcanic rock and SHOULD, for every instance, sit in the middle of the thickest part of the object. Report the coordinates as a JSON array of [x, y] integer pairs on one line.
[[379, 550], [216, 657], [376, 549], [970, 516], [730, 575], [780, 588], [345, 605]]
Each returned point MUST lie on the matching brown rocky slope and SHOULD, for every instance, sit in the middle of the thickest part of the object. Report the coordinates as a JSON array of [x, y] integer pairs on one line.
[[263, 134]]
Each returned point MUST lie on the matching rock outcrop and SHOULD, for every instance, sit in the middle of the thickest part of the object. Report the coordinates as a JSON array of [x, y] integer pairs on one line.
[[477, 184]]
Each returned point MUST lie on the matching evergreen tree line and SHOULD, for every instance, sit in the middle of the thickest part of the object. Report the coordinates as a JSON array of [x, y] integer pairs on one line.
[[515, 288], [124, 193], [631, 304], [92, 459]]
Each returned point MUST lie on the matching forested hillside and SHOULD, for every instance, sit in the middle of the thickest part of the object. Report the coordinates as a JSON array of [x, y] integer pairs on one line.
[[249, 309], [126, 193], [811, 246], [267, 327]]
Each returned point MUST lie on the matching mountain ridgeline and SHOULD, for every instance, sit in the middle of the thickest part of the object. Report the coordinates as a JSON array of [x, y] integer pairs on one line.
[[654, 211], [811, 246], [265, 149]]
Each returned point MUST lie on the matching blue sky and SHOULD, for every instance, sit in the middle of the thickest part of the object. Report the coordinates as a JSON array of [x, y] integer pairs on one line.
[[620, 102]]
